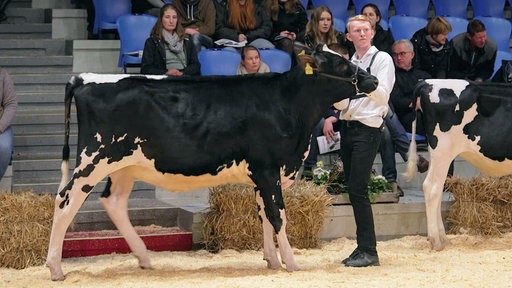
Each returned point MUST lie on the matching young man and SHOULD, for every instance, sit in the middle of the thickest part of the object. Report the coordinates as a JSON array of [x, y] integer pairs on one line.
[[362, 122], [198, 19], [472, 54]]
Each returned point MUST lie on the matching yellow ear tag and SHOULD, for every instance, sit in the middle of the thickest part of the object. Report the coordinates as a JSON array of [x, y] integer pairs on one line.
[[308, 69]]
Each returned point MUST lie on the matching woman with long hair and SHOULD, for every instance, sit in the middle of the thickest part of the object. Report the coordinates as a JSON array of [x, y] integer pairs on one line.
[[244, 20], [320, 29], [167, 51]]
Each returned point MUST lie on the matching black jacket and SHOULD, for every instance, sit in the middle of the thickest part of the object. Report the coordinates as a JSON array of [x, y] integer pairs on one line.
[[153, 58], [466, 63], [435, 63], [402, 99], [293, 22], [223, 30]]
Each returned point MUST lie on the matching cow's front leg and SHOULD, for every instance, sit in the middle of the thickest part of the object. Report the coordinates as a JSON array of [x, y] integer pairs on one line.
[[269, 248], [433, 191], [269, 188], [66, 207], [115, 201]]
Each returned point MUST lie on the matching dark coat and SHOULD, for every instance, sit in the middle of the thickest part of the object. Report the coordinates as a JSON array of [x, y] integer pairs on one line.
[[435, 63], [402, 98], [292, 22], [153, 58], [466, 63]]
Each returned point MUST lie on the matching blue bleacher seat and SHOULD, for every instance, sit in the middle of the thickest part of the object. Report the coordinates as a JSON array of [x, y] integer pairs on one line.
[[133, 31], [403, 27], [499, 29], [488, 8], [106, 13], [218, 61], [415, 8], [277, 60], [339, 25], [451, 8], [459, 25]]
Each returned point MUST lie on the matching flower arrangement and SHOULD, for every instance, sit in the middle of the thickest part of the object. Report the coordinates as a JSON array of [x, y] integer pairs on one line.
[[335, 180]]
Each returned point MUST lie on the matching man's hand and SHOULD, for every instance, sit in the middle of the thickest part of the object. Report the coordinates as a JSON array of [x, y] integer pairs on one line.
[[328, 128]]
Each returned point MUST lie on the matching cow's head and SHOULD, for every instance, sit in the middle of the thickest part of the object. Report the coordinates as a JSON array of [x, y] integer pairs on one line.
[[332, 64]]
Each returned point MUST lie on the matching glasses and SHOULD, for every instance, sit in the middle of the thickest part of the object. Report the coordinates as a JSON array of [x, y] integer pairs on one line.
[[401, 54]]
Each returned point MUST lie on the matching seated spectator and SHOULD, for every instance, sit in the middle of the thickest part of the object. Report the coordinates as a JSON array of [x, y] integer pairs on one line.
[[311, 160], [198, 19], [8, 106], [251, 62], [431, 47], [320, 29], [244, 20], [289, 19], [473, 54], [167, 51], [394, 138], [383, 39]]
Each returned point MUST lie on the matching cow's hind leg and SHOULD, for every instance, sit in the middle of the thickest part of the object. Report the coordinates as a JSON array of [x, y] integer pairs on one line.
[[433, 191], [273, 210], [115, 201], [67, 204]]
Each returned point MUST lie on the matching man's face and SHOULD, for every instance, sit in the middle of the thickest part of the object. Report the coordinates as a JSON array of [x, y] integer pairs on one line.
[[402, 56], [478, 40], [361, 34]]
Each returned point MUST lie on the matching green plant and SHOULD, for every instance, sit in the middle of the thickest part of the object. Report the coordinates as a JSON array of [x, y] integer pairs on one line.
[[334, 180]]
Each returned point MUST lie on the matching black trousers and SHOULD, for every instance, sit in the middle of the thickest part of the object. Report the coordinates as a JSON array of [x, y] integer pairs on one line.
[[359, 145]]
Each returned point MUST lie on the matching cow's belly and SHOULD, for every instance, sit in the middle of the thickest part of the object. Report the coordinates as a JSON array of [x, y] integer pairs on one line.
[[178, 182], [486, 165]]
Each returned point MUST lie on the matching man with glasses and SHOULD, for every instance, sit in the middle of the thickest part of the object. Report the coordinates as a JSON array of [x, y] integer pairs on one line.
[[401, 113]]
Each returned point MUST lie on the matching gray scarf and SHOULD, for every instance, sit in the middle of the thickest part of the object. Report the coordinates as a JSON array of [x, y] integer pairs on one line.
[[173, 41]]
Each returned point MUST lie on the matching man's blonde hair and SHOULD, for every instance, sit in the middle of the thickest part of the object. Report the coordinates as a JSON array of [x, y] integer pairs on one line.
[[359, 17]]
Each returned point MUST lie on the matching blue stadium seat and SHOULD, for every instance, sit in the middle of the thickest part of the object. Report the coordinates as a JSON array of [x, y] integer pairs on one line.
[[340, 25], [488, 8], [133, 31], [403, 27], [277, 60], [415, 8], [382, 4], [338, 7], [218, 61], [459, 25], [106, 13], [451, 8], [499, 29], [419, 138]]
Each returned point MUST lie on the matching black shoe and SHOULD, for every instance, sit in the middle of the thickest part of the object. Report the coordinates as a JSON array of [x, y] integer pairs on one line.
[[352, 255], [363, 259]]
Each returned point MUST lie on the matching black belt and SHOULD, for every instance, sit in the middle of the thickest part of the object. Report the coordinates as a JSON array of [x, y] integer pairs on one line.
[[357, 124]]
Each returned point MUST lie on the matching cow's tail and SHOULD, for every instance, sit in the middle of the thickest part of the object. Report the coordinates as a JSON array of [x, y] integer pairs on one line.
[[412, 155], [74, 82]]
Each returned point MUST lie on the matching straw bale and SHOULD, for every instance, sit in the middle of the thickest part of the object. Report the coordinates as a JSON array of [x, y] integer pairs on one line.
[[233, 221], [25, 225], [482, 206]]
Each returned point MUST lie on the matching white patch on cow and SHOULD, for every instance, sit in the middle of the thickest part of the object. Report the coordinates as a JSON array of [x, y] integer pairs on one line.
[[326, 49], [456, 85], [139, 140], [122, 137], [98, 137], [113, 78]]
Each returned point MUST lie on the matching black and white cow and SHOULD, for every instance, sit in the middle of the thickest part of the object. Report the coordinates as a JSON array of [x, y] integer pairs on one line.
[[466, 119], [187, 133]]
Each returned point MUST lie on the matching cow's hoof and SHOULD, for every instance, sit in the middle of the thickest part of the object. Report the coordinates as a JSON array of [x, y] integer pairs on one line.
[[436, 245], [147, 266], [56, 274], [292, 268], [273, 265]]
